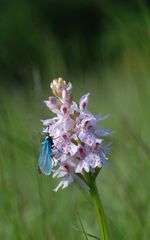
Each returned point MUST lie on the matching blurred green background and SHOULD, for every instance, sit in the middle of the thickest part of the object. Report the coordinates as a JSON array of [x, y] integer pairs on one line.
[[102, 47]]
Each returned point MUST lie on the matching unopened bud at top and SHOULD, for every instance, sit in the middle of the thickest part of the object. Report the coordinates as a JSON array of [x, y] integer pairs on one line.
[[61, 90]]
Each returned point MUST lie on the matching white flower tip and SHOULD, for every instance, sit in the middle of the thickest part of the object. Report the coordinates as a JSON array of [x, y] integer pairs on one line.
[[51, 85], [47, 103], [69, 87]]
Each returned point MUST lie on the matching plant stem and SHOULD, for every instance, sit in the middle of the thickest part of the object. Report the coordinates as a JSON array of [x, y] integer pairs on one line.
[[99, 211]]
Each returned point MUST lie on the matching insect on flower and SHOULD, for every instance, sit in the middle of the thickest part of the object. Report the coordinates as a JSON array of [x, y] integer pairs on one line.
[[45, 159]]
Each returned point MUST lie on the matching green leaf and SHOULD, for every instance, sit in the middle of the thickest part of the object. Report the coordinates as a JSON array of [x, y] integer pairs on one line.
[[88, 234]]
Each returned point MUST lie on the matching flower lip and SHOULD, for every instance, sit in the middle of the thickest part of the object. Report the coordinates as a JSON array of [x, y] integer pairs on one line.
[[65, 136], [64, 109], [82, 152]]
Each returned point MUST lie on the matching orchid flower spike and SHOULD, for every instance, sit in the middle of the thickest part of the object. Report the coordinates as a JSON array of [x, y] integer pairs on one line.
[[78, 140]]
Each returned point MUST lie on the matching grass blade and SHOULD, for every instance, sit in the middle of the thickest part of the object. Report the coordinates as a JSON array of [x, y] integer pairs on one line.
[[88, 234], [83, 230]]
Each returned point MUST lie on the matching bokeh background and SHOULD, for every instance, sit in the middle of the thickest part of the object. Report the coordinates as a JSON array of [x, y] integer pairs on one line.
[[102, 47]]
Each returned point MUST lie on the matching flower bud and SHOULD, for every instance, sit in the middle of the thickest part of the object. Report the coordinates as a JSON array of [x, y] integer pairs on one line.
[[84, 102], [61, 90], [52, 103]]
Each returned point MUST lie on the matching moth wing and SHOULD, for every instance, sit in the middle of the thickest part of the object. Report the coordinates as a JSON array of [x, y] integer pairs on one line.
[[45, 159]]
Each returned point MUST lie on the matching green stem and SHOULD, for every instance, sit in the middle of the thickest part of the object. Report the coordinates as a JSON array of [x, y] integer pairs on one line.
[[99, 211]]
